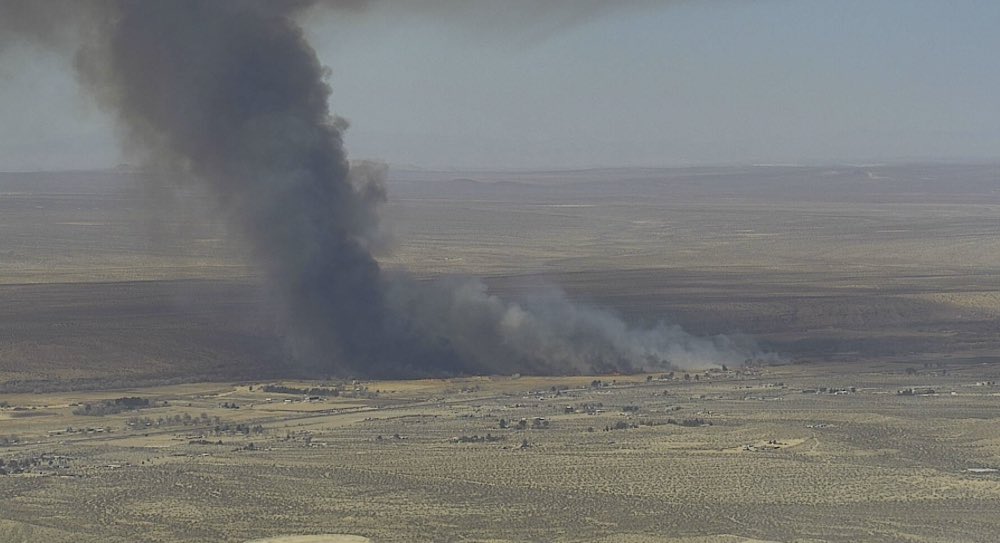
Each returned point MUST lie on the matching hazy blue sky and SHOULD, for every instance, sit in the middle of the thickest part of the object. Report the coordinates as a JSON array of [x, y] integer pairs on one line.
[[659, 83]]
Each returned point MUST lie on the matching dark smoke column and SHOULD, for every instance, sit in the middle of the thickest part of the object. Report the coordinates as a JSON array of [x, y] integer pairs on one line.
[[229, 93]]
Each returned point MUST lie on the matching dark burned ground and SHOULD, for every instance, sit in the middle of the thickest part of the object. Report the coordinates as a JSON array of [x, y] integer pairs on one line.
[[88, 334], [103, 280], [81, 334]]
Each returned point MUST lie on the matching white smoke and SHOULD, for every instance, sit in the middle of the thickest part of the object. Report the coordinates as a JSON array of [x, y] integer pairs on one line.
[[549, 333]]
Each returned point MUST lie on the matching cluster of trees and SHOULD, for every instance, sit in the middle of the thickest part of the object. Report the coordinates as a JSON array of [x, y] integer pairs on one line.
[[233, 429], [315, 391], [111, 407], [13, 466], [177, 420], [488, 438], [338, 390], [538, 423], [621, 425], [689, 422], [627, 425], [204, 442]]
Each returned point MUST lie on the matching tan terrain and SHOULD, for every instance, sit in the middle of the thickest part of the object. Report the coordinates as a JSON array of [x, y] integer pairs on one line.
[[795, 453], [878, 287]]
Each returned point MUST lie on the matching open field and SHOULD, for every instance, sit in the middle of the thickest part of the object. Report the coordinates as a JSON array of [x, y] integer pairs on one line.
[[792, 453], [836, 264], [145, 331], [873, 280]]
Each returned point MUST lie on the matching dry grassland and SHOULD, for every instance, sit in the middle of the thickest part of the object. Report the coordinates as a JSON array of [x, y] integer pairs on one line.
[[757, 454], [871, 280]]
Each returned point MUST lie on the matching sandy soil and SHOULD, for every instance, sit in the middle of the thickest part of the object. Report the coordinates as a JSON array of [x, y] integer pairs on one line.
[[325, 538]]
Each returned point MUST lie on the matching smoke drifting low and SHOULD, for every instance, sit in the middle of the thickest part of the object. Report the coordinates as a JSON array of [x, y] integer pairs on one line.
[[546, 333], [229, 95]]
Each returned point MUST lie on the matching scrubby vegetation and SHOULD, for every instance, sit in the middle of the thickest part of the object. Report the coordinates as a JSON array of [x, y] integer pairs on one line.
[[33, 463], [690, 423], [185, 419], [314, 391], [111, 407], [326, 391], [488, 438]]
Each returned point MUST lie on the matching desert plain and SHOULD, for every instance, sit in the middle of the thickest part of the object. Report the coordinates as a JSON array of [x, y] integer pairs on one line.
[[146, 395]]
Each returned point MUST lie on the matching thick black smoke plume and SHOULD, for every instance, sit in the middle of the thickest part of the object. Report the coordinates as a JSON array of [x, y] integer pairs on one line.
[[230, 95]]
